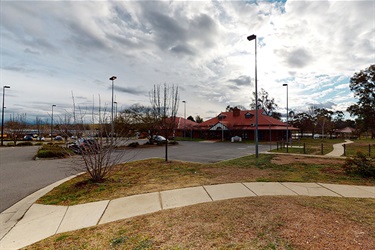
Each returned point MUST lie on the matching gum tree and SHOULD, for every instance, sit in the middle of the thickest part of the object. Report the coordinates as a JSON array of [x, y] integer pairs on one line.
[[363, 86]]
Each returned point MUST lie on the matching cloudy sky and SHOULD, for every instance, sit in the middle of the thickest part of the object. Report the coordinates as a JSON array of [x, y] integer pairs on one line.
[[51, 50]]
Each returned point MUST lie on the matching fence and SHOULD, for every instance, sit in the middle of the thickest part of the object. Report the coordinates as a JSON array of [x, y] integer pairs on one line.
[[324, 148]]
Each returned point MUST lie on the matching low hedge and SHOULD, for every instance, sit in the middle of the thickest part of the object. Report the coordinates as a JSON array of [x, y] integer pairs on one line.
[[52, 151]]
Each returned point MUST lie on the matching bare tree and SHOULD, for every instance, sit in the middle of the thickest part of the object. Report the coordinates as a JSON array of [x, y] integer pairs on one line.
[[142, 119], [41, 126], [17, 126], [98, 155], [164, 105]]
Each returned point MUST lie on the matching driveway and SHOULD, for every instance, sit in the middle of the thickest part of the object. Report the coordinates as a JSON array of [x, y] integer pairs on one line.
[[21, 176]]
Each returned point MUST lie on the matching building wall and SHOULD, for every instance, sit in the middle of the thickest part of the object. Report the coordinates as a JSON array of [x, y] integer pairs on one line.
[[263, 135]]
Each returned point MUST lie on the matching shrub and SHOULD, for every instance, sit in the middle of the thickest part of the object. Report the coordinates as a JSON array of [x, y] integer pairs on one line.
[[52, 151], [133, 144], [25, 143], [360, 165]]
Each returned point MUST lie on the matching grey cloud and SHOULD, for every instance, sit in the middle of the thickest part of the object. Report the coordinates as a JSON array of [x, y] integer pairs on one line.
[[241, 80], [326, 105], [42, 44], [125, 41], [175, 32], [29, 51], [167, 30], [134, 91], [83, 39], [299, 58], [183, 49], [15, 68]]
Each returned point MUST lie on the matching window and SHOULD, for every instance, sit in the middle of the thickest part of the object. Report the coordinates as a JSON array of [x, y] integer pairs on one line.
[[249, 115], [221, 117]]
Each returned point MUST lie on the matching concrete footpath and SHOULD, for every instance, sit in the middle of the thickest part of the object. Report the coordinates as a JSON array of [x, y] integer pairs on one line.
[[338, 149], [42, 221]]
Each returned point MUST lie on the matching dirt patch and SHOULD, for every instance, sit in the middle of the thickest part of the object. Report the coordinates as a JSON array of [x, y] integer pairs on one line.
[[288, 159]]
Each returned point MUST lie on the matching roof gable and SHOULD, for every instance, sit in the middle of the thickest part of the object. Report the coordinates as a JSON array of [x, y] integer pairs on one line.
[[244, 118]]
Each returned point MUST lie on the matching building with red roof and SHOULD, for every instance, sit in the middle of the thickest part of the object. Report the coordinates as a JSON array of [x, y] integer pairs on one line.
[[242, 123]]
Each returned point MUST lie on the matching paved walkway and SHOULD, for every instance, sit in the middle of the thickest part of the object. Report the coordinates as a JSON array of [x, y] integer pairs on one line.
[[42, 221], [338, 149]]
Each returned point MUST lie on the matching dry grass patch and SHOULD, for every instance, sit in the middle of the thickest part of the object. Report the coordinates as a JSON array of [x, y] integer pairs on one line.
[[128, 179], [248, 223], [291, 159]]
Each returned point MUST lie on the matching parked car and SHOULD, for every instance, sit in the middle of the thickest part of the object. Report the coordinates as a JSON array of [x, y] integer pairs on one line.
[[85, 145], [28, 138], [58, 138], [159, 139], [40, 139]]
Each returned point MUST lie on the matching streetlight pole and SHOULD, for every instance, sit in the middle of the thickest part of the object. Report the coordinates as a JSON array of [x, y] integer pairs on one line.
[[250, 38], [52, 121], [2, 116], [115, 109], [113, 78], [287, 116], [184, 118]]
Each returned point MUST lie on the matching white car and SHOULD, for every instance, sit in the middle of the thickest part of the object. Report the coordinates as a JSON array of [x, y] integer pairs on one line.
[[159, 138]]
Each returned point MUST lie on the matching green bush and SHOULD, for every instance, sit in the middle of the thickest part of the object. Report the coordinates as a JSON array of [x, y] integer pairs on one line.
[[360, 165], [52, 151]]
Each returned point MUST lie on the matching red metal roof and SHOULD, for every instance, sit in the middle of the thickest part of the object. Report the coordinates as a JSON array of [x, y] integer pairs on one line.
[[347, 130], [180, 123], [245, 119]]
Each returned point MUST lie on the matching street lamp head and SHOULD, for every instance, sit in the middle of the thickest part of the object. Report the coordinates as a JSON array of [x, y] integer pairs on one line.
[[285, 84], [53, 105], [6, 87], [251, 37], [113, 78], [184, 101]]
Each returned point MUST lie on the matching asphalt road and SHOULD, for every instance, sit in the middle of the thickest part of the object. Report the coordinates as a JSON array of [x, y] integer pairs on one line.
[[21, 176]]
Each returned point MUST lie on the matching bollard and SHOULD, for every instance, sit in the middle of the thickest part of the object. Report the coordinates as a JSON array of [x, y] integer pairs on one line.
[[304, 148], [344, 145], [321, 148]]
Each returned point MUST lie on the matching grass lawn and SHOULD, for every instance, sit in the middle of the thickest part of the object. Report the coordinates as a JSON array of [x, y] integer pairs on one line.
[[247, 223], [362, 146], [157, 175], [313, 146]]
